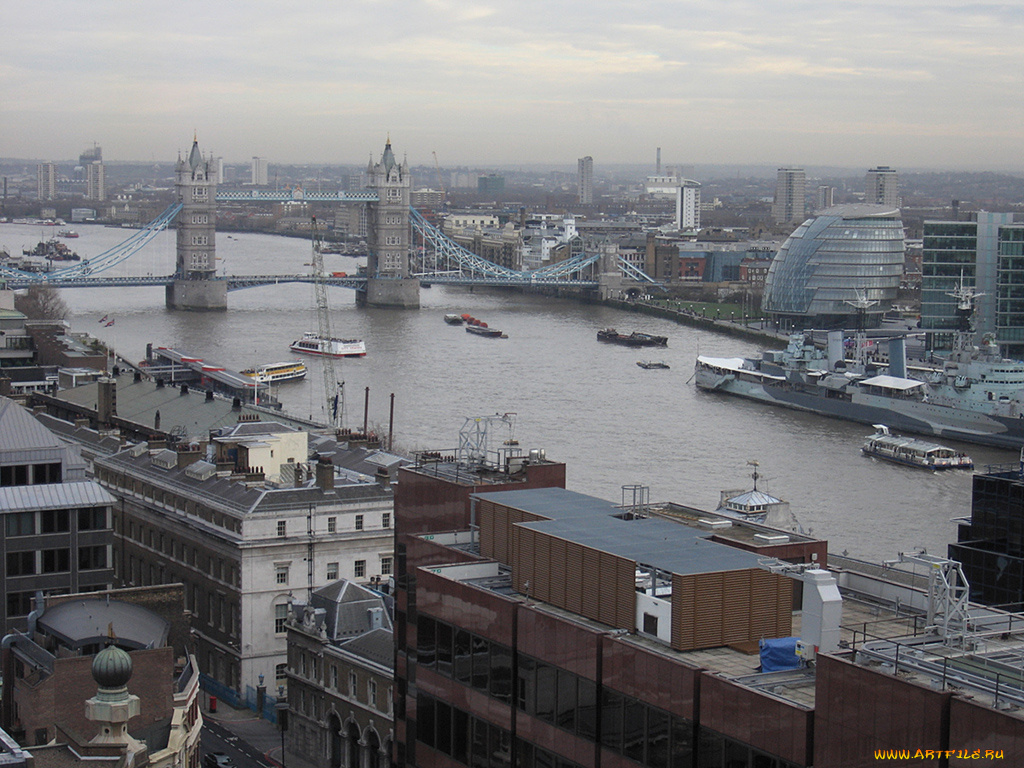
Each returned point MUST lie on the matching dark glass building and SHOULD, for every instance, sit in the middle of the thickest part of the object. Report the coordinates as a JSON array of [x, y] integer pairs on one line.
[[990, 546], [836, 257]]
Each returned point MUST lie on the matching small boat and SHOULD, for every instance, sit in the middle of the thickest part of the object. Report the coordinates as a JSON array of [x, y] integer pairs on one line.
[[67, 233], [276, 372], [635, 339], [651, 364], [453, 319], [913, 452], [313, 344], [480, 328], [483, 330]]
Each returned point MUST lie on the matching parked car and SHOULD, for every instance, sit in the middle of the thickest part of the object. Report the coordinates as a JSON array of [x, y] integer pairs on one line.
[[217, 760]]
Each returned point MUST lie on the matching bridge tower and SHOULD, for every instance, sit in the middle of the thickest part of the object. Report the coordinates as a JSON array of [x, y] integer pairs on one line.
[[195, 285], [389, 236]]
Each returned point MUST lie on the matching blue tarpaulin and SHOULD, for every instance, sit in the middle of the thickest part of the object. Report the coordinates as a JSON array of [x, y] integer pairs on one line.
[[779, 654]]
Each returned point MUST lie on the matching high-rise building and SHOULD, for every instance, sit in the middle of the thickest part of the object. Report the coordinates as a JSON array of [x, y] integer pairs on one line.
[[967, 251], [260, 171], [46, 181], [1010, 291], [826, 197], [790, 205], [688, 205], [882, 186], [585, 180], [95, 181]]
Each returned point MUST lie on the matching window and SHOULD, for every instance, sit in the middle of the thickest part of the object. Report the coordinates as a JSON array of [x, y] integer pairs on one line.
[[360, 569], [371, 692], [334, 677], [21, 563], [56, 560], [280, 674], [18, 603], [93, 519], [21, 523], [332, 525], [282, 527], [91, 558], [280, 618], [332, 571], [352, 683], [385, 520], [281, 574], [385, 566], [54, 521], [359, 522]]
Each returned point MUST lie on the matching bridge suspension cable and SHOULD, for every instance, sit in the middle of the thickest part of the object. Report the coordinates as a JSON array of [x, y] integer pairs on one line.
[[104, 261]]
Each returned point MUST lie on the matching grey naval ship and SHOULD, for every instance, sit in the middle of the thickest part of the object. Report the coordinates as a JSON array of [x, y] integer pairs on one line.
[[975, 396]]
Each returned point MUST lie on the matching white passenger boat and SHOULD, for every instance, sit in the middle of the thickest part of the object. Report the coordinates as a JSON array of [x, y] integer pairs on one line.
[[913, 452], [313, 344], [276, 372]]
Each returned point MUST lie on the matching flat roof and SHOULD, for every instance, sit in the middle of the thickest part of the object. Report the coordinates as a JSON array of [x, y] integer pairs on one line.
[[601, 525]]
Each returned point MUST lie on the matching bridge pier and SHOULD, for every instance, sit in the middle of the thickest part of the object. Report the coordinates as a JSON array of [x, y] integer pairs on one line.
[[198, 295], [390, 293]]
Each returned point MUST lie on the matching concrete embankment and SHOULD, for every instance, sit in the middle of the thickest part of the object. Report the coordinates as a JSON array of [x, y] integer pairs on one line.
[[686, 317]]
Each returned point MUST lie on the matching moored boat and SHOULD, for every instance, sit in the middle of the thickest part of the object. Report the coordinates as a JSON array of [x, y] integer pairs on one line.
[[276, 372], [651, 364], [480, 328], [453, 319], [635, 339], [913, 452], [313, 344]]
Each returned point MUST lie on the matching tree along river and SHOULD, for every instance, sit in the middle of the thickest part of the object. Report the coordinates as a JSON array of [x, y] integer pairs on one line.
[[586, 403]]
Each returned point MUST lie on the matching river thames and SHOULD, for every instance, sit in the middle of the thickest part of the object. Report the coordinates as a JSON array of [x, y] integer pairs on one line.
[[586, 403]]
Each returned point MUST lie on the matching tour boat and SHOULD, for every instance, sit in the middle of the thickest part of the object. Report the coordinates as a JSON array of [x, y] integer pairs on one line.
[[313, 344], [276, 372], [913, 452]]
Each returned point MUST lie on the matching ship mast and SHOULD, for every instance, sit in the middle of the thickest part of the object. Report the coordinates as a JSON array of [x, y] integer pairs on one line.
[[861, 304], [963, 338]]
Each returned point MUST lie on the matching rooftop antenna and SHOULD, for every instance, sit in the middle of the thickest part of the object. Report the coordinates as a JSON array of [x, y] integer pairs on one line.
[[754, 475]]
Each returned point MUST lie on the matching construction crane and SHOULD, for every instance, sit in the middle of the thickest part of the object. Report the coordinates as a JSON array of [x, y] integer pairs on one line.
[[334, 390]]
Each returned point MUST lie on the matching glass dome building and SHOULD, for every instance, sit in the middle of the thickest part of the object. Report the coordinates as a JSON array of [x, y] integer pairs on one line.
[[838, 255]]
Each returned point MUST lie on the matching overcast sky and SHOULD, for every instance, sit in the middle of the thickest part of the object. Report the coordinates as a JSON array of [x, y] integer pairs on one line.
[[906, 83]]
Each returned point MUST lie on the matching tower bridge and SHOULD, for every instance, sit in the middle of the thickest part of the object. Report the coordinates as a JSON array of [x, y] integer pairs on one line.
[[404, 249]]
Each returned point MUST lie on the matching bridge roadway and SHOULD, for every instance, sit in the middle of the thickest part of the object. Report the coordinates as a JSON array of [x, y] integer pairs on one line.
[[240, 282]]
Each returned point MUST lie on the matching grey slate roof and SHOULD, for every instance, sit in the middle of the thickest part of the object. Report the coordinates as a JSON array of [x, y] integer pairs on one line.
[[26, 498], [79, 623], [377, 645], [347, 606], [592, 522]]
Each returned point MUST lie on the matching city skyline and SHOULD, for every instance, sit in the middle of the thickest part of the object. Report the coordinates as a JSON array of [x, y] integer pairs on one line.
[[914, 85]]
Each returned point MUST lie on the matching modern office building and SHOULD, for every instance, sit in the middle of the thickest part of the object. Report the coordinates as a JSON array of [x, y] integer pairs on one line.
[[1010, 292], [260, 172], [990, 544], [790, 204], [95, 181], [585, 180], [56, 535], [882, 187], [341, 676], [555, 629], [46, 181], [490, 184], [967, 252], [245, 523], [835, 258], [826, 197]]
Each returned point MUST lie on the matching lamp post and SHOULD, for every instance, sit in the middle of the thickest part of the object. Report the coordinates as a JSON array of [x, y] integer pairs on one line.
[[281, 707]]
